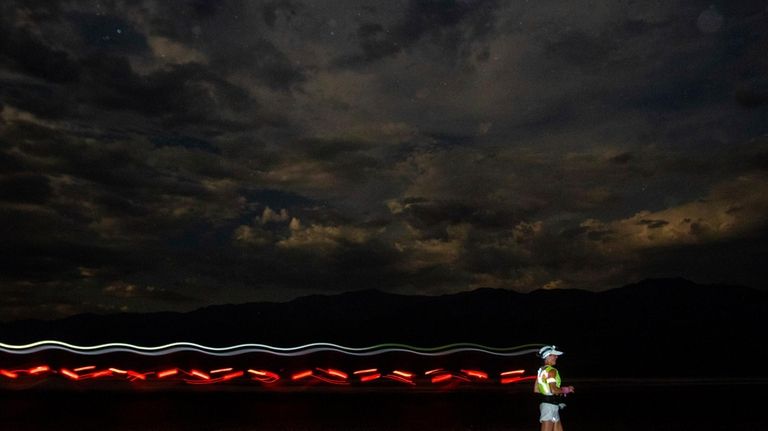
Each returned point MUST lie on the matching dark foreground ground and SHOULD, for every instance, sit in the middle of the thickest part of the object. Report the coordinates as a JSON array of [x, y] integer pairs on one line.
[[625, 406]]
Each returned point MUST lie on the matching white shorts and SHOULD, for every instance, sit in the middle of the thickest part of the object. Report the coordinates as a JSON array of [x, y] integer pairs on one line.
[[549, 412]]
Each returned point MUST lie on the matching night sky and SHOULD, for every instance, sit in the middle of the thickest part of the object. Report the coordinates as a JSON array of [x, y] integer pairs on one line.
[[170, 155]]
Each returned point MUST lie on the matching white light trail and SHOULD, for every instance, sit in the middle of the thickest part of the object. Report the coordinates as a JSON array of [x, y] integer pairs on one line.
[[306, 349]]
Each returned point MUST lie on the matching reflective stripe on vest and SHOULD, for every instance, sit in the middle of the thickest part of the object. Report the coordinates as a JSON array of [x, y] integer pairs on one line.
[[543, 379]]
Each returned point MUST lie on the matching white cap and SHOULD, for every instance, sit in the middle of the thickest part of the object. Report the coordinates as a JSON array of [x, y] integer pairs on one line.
[[549, 350]]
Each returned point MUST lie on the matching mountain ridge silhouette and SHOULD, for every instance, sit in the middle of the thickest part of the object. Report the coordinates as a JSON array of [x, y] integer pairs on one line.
[[646, 328]]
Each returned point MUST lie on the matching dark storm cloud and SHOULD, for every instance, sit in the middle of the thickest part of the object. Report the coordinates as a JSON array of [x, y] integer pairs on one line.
[[42, 100], [47, 246], [25, 188], [423, 19], [172, 155], [653, 224], [22, 51], [277, 198], [271, 10], [260, 59], [347, 267], [117, 205], [102, 75], [580, 49], [431, 215], [348, 161], [185, 142], [330, 149], [10, 164], [753, 95], [113, 166], [243, 47], [621, 159], [441, 212], [183, 95], [125, 200]]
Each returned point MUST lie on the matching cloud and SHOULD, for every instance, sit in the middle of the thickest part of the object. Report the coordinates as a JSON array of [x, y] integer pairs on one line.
[[173, 52], [321, 237], [245, 234], [25, 52], [27, 188], [446, 22], [424, 253], [267, 229], [733, 209], [302, 175], [236, 151], [131, 291], [270, 216]]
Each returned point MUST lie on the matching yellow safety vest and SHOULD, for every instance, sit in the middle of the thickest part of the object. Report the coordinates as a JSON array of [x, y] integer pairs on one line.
[[543, 379]]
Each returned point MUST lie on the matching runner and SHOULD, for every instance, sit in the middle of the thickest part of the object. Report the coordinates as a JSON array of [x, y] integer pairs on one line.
[[552, 394]]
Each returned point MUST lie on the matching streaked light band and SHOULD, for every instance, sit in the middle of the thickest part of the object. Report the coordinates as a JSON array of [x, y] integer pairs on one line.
[[306, 349]]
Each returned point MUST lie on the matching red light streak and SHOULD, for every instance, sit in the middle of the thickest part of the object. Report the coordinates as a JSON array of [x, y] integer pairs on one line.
[[221, 375], [369, 377], [221, 379], [301, 375], [203, 381], [273, 375], [399, 379], [40, 369], [265, 376], [167, 373], [231, 376], [198, 373], [9, 374], [98, 374], [69, 374], [134, 375], [441, 378], [336, 373], [475, 373], [327, 380], [507, 380]]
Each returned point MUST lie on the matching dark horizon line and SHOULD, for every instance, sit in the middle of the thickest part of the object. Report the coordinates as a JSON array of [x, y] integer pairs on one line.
[[646, 281]]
